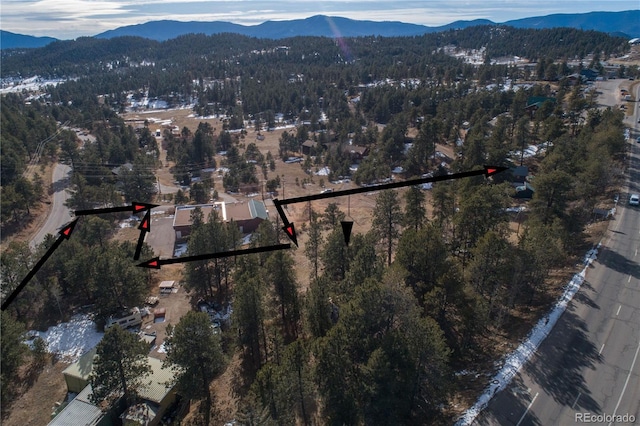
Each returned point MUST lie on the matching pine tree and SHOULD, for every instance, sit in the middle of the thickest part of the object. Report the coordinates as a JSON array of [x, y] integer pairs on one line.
[[194, 352], [414, 215], [313, 246], [13, 352], [280, 277], [386, 221], [248, 314], [120, 366], [333, 215]]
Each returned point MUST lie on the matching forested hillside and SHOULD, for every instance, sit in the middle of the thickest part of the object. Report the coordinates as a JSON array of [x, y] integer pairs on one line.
[[202, 55]]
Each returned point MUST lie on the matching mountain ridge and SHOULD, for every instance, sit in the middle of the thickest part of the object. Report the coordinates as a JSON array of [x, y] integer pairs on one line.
[[625, 22], [9, 40]]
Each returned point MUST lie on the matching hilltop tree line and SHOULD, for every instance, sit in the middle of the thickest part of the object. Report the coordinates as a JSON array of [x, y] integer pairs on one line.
[[207, 54], [219, 70]]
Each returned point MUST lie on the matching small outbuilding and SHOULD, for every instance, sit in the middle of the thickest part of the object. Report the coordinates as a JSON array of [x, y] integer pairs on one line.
[[308, 146], [167, 287], [524, 191]]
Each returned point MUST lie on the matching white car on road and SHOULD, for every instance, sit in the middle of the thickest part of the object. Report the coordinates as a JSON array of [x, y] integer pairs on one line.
[[634, 200]]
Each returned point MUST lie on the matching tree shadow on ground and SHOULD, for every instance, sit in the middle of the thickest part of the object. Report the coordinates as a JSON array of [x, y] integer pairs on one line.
[[508, 406], [60, 185], [557, 366], [584, 298], [618, 262]]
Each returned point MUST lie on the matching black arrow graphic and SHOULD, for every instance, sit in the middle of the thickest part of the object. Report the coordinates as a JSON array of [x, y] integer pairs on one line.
[[347, 226], [135, 207], [290, 230], [156, 262], [145, 226], [65, 233]]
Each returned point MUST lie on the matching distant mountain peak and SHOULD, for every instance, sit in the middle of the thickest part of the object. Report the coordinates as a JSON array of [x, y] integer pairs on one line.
[[9, 40], [626, 22]]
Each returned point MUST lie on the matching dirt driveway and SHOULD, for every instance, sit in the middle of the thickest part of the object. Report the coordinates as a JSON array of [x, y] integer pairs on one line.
[[176, 305]]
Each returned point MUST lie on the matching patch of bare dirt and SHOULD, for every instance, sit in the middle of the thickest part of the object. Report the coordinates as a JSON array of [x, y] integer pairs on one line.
[[25, 232], [38, 396]]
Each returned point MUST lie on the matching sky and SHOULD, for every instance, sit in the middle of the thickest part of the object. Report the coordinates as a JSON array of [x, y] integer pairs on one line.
[[69, 19]]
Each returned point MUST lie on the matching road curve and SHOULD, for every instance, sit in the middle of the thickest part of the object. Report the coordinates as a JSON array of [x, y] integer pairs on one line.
[[60, 214]]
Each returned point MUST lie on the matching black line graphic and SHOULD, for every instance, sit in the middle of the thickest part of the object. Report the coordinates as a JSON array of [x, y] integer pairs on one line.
[[135, 207], [290, 230], [65, 233], [156, 262], [145, 226]]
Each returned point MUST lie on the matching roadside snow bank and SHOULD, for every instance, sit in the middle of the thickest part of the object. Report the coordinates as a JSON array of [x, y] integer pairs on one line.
[[516, 359], [70, 340]]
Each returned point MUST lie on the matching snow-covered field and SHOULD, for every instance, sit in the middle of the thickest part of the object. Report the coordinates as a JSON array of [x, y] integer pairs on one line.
[[30, 84], [516, 359], [69, 340]]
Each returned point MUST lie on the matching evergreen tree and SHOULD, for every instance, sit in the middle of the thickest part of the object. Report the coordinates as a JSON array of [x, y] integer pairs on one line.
[[127, 284], [119, 367], [13, 352], [414, 215], [423, 254], [386, 221], [248, 315], [138, 184], [318, 308], [280, 277], [333, 216], [313, 246], [334, 256], [194, 352]]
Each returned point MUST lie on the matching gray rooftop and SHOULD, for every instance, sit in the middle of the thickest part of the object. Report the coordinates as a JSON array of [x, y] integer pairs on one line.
[[80, 411]]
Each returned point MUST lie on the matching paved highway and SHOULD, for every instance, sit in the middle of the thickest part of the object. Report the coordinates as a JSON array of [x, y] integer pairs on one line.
[[60, 214], [589, 365]]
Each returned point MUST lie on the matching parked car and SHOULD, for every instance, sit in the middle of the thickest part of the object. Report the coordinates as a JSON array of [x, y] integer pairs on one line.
[[634, 200]]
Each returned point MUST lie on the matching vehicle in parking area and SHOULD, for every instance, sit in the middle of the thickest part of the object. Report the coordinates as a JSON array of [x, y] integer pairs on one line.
[[125, 319], [638, 138], [634, 200]]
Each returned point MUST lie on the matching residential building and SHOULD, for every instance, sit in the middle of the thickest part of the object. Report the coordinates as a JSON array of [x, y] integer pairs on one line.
[[156, 395], [246, 215]]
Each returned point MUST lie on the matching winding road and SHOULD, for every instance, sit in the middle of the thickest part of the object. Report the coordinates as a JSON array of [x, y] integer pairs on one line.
[[60, 214]]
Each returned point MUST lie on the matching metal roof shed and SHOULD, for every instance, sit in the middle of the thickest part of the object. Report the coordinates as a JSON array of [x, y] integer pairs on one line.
[[167, 284], [81, 411], [77, 374]]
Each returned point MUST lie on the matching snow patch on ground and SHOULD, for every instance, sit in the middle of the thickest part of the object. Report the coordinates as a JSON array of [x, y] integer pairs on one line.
[[180, 250], [70, 340], [516, 359]]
